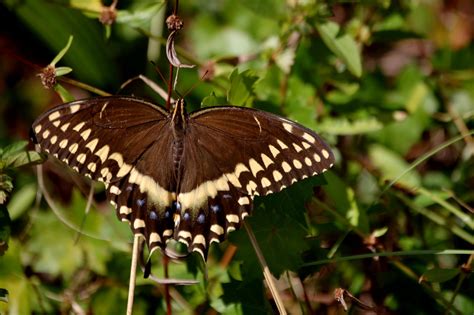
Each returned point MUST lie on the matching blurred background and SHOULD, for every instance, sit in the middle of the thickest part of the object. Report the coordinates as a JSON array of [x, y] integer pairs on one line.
[[388, 84]]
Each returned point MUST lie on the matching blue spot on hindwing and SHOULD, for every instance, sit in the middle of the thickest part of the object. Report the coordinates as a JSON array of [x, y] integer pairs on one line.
[[186, 216], [140, 202], [216, 208], [153, 215], [201, 218]]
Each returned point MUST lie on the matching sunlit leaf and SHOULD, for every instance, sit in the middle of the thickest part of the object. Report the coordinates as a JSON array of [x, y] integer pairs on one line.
[[391, 165], [343, 126], [342, 45], [241, 87], [22, 200]]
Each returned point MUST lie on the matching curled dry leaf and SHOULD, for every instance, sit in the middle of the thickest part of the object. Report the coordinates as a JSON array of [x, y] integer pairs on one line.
[[171, 52], [340, 294]]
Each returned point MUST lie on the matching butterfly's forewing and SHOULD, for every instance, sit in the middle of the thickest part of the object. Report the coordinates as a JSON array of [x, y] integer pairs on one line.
[[123, 142], [233, 154]]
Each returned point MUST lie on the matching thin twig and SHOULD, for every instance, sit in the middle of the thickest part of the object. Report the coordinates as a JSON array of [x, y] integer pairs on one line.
[[133, 274], [266, 271], [166, 286], [84, 86], [155, 87]]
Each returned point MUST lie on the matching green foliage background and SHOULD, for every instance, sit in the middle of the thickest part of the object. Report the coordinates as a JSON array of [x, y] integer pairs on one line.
[[389, 85]]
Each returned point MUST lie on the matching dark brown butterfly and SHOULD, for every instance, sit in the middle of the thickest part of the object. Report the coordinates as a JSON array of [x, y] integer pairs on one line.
[[191, 177]]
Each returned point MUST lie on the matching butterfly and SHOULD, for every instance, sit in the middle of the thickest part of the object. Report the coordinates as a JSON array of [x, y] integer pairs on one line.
[[173, 175]]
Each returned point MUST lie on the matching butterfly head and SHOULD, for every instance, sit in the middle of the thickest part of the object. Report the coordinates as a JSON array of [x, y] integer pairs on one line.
[[179, 114]]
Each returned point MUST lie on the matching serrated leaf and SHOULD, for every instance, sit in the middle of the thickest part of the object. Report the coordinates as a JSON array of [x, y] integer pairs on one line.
[[342, 45], [440, 275], [342, 126], [212, 100], [23, 159], [13, 148], [279, 225], [241, 87]]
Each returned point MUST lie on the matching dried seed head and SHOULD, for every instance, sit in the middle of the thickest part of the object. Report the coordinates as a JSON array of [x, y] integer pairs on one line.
[[48, 76], [174, 23], [108, 15]]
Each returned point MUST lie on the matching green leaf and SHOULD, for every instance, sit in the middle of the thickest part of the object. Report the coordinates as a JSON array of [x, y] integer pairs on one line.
[[109, 300], [87, 5], [342, 45], [279, 225], [13, 149], [391, 165], [273, 9], [63, 71], [301, 102], [140, 14], [63, 93], [52, 25], [24, 159], [344, 201], [212, 100], [22, 200], [241, 87], [62, 255], [380, 232], [247, 293], [61, 54], [440, 275], [343, 126]]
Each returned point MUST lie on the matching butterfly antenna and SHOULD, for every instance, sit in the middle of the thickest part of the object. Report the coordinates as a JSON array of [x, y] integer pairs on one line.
[[196, 84], [162, 77]]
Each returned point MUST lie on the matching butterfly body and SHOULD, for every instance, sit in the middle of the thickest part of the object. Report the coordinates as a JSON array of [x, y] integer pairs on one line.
[[191, 177]]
